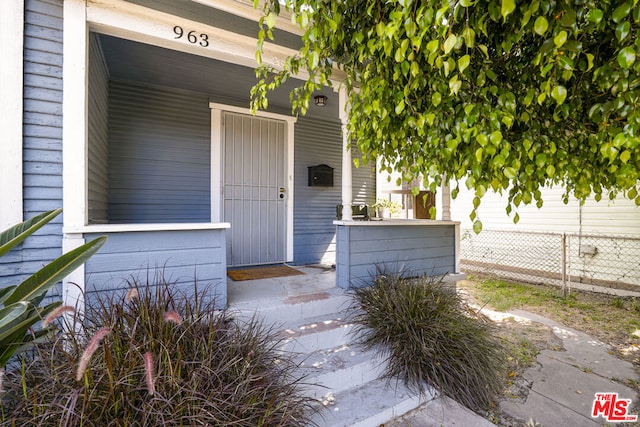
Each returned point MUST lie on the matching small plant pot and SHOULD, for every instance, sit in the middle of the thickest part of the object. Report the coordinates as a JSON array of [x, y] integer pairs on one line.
[[384, 213]]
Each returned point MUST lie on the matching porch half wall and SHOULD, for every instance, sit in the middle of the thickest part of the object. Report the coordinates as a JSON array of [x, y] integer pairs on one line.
[[181, 258], [408, 247]]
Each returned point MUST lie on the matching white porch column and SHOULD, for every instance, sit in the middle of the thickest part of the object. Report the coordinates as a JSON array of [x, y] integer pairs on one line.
[[73, 286], [347, 184], [74, 146], [446, 199]]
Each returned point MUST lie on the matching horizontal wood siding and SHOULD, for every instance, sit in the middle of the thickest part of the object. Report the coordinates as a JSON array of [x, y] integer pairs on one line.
[[619, 217], [160, 155], [320, 142], [554, 216], [182, 258], [42, 133], [413, 249], [342, 254], [98, 134]]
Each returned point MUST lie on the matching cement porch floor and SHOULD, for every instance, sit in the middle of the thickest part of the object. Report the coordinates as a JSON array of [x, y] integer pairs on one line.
[[317, 278]]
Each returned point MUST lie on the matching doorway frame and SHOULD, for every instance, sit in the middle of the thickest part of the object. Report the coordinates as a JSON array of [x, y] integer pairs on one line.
[[217, 110]]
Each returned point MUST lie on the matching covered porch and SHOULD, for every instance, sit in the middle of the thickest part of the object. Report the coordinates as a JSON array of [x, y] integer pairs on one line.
[[162, 155]]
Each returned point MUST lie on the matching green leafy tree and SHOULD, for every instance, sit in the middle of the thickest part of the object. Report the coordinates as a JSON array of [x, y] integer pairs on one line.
[[20, 307], [496, 94]]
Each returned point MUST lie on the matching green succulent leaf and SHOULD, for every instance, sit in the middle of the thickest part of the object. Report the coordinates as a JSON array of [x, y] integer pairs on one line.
[[41, 281], [11, 314], [16, 234]]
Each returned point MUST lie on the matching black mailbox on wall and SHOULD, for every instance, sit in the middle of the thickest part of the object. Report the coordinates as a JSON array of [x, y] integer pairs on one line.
[[320, 176]]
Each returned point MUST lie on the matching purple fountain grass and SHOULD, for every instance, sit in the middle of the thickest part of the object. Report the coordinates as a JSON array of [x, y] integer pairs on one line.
[[201, 352], [173, 316], [149, 372], [88, 352], [131, 295], [57, 313]]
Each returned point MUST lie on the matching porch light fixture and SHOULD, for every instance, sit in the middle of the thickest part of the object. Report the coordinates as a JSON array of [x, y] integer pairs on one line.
[[320, 100]]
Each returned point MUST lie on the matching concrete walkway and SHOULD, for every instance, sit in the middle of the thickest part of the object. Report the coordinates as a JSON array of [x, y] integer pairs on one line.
[[558, 391], [563, 384]]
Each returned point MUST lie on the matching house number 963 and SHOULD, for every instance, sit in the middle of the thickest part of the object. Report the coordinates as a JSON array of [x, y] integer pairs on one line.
[[192, 37]]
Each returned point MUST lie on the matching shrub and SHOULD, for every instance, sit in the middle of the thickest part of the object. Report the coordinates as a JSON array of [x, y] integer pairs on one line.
[[429, 336], [158, 357]]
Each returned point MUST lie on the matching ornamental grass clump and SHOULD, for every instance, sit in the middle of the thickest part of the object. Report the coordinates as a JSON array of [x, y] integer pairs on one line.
[[157, 357], [429, 336]]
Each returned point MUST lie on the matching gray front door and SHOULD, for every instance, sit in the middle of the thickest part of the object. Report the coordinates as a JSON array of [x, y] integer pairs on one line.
[[255, 195]]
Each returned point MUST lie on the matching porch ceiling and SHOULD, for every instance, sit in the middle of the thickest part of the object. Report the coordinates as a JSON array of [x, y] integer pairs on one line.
[[224, 82]]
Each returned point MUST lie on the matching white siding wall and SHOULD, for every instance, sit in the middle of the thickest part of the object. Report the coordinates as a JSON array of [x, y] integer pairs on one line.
[[620, 216]]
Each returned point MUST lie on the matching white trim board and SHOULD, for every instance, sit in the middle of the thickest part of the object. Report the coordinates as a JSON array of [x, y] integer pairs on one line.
[[247, 111], [247, 11], [74, 141], [125, 228], [129, 21], [11, 87], [74, 115], [138, 23]]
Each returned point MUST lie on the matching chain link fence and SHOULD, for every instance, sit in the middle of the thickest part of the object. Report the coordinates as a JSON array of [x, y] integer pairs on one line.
[[583, 261]]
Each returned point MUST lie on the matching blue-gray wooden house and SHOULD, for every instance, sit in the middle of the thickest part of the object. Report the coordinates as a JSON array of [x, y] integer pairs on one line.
[[133, 116]]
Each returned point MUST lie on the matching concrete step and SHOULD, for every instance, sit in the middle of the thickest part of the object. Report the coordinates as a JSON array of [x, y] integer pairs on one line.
[[288, 310], [340, 368], [341, 376], [310, 335], [370, 405]]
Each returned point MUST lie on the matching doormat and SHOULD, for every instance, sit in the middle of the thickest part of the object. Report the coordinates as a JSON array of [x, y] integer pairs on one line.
[[262, 273]]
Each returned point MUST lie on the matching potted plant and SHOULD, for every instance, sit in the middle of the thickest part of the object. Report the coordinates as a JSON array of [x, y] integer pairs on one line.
[[387, 208]]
